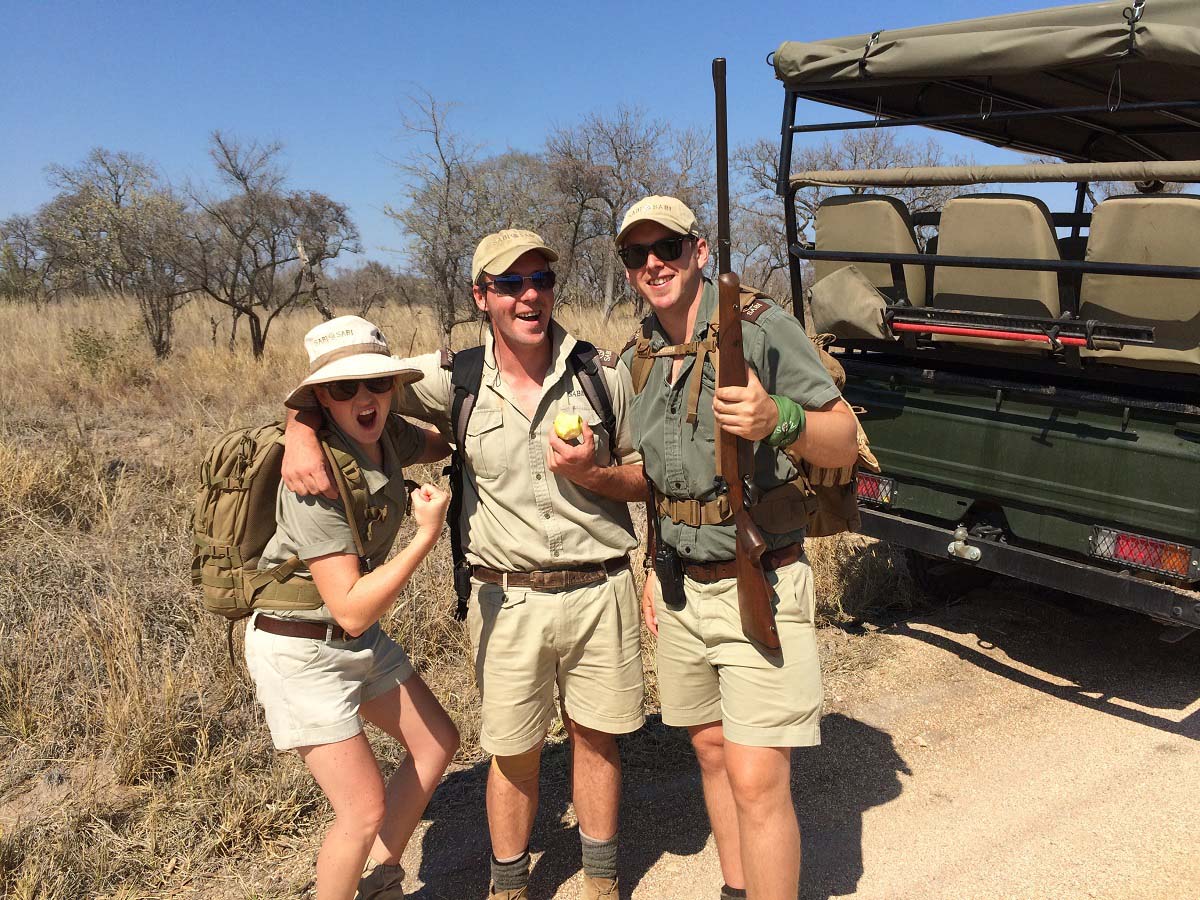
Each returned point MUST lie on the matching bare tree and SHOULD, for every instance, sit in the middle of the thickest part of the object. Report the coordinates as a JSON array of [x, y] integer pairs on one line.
[[367, 286], [601, 166], [241, 247], [115, 226], [439, 215], [25, 267]]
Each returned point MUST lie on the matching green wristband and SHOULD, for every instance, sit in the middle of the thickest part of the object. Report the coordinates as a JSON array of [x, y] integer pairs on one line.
[[790, 424]]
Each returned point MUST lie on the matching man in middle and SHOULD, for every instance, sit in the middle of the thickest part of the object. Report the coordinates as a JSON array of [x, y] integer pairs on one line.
[[546, 528]]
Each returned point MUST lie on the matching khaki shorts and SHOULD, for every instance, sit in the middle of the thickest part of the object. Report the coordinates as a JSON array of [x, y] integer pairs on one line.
[[311, 689], [708, 671], [585, 641]]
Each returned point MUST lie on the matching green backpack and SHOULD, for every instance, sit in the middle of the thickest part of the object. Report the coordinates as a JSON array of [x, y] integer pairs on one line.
[[234, 518]]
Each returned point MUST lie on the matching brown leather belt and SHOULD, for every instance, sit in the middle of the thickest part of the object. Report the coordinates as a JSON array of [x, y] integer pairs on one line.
[[301, 629], [715, 571], [554, 579]]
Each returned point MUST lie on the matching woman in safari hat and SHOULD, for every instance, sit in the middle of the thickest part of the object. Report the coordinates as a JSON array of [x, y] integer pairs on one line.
[[319, 673]]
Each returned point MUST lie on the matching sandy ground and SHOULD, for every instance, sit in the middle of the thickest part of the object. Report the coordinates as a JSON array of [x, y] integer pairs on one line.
[[1009, 746]]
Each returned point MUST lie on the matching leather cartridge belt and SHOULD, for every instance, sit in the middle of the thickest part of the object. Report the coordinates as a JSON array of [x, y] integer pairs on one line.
[[715, 571], [553, 579], [301, 629]]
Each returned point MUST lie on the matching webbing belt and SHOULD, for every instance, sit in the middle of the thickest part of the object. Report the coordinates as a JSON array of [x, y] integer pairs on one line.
[[693, 512]]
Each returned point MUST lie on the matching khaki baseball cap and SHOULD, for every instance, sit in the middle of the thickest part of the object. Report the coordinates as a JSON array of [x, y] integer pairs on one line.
[[498, 251], [670, 212]]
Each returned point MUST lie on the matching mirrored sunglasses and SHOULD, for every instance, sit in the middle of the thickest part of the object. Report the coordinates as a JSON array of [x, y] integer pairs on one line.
[[513, 285], [666, 249], [346, 390]]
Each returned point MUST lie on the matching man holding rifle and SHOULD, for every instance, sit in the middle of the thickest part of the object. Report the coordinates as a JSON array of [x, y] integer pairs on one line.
[[745, 702]]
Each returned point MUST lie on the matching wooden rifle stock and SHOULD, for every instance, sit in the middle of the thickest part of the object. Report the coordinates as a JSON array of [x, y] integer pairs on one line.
[[735, 461], [736, 469]]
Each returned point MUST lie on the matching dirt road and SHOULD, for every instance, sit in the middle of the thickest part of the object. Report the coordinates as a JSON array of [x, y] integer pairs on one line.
[[1005, 747]]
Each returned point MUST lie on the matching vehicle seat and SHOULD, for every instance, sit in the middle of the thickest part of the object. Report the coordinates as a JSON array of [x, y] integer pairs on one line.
[[1002, 225], [874, 223], [1162, 229]]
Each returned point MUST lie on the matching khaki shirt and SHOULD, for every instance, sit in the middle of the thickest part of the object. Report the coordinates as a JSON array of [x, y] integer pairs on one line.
[[680, 458], [309, 527], [517, 515]]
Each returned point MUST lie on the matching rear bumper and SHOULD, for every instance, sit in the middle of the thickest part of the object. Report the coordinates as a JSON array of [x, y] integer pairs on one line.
[[1164, 602]]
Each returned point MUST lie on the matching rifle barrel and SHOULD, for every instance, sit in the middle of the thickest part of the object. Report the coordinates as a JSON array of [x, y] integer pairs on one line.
[[724, 263]]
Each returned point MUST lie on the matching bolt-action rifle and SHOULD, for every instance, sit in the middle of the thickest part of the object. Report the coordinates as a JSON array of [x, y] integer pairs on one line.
[[735, 462]]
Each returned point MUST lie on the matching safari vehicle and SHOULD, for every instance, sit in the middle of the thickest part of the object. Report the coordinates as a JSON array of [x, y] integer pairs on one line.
[[1031, 378]]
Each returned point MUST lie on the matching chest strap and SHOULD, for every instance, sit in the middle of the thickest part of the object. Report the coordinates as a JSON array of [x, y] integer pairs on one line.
[[644, 362]]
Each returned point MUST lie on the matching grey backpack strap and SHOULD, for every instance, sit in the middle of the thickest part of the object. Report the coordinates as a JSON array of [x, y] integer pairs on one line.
[[585, 363]]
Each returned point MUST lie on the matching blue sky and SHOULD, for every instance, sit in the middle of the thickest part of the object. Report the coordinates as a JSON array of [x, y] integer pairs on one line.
[[329, 81]]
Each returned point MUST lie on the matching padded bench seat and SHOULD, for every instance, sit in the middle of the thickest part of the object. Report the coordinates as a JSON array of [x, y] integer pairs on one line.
[[1161, 229]]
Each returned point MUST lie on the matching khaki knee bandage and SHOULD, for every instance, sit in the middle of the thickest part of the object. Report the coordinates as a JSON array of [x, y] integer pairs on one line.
[[520, 768]]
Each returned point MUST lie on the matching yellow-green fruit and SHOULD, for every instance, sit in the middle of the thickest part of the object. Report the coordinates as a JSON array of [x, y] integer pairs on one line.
[[568, 426]]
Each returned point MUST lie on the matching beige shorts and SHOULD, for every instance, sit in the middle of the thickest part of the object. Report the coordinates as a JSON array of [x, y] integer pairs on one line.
[[585, 641], [708, 671], [310, 689]]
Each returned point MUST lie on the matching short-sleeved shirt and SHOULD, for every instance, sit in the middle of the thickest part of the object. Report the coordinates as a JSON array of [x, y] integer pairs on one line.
[[310, 527], [517, 515], [680, 457]]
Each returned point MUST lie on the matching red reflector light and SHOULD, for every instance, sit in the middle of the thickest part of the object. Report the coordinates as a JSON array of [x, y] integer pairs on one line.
[[1151, 554], [875, 488]]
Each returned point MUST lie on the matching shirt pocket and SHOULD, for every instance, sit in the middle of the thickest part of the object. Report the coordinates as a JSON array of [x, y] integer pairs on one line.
[[485, 444]]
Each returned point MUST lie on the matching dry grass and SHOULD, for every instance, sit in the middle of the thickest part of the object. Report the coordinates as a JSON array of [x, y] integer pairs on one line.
[[135, 761]]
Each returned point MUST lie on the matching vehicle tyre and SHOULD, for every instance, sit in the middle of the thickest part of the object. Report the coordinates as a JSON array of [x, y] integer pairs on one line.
[[945, 580]]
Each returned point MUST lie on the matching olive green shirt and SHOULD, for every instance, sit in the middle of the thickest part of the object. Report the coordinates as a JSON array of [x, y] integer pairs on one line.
[[310, 527], [680, 457], [517, 515]]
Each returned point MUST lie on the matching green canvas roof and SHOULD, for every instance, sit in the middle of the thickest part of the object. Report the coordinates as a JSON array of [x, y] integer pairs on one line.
[[1070, 56]]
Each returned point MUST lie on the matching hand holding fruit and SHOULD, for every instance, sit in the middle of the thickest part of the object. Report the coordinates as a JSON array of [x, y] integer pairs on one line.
[[572, 448], [568, 426]]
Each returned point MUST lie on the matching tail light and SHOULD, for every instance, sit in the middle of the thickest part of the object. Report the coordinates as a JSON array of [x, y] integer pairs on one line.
[[1150, 554], [875, 489]]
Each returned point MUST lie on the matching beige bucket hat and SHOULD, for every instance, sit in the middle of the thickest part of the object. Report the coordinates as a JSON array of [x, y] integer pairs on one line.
[[344, 348], [670, 212], [498, 251]]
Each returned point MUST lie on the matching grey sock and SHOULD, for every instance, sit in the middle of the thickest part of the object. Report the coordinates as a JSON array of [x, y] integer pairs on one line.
[[599, 857], [728, 893], [512, 875]]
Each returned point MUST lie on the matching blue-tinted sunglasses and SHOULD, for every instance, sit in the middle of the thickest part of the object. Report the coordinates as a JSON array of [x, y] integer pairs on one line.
[[512, 285]]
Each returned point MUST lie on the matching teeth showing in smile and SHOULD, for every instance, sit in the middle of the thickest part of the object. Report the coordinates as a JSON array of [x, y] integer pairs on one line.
[[528, 317], [659, 282]]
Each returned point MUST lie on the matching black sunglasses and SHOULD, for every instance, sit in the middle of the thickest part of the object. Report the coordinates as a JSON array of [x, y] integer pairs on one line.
[[667, 249], [513, 285], [346, 390]]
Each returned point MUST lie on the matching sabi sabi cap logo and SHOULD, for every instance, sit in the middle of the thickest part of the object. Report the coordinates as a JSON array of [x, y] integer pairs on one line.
[[496, 252], [670, 212]]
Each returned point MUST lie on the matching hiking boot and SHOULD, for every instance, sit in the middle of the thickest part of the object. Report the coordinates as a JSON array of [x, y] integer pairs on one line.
[[519, 894], [599, 888], [381, 881]]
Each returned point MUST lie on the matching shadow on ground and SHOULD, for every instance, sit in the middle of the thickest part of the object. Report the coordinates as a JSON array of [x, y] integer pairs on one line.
[[1113, 660], [856, 768]]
